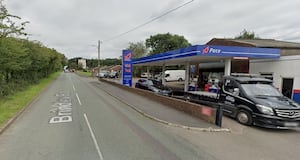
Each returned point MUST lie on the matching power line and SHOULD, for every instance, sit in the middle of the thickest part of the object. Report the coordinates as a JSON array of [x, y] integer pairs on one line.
[[151, 20]]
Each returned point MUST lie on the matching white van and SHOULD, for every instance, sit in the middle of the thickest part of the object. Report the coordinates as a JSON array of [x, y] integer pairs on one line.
[[175, 75]]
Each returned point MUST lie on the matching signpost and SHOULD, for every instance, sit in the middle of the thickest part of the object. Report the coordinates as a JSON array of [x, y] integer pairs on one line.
[[127, 68]]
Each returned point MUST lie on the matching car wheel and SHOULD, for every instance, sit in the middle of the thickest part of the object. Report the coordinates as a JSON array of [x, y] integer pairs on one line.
[[244, 117], [180, 79]]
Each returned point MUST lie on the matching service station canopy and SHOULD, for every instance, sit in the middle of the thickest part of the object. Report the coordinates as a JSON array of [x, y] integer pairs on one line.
[[205, 53]]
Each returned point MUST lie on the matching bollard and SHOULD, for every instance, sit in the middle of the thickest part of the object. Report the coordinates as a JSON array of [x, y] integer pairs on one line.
[[219, 115]]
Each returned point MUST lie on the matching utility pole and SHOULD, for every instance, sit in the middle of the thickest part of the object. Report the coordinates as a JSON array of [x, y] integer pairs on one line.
[[99, 42]]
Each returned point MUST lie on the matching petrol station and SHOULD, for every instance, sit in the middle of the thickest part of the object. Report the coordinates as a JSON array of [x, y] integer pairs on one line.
[[204, 54]]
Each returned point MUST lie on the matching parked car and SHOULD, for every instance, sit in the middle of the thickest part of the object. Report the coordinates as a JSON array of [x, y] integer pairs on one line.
[[154, 86], [113, 74], [103, 74]]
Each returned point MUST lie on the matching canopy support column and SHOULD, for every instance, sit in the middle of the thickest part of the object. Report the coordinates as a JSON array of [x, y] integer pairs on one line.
[[163, 80], [227, 70], [148, 72], [187, 77]]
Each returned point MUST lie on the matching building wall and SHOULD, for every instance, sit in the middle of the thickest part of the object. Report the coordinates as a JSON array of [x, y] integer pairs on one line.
[[82, 62], [285, 67]]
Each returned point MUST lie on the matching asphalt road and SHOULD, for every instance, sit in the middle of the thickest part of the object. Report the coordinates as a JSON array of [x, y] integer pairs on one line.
[[76, 120]]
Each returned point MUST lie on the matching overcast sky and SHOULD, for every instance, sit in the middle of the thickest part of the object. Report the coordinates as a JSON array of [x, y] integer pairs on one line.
[[73, 27]]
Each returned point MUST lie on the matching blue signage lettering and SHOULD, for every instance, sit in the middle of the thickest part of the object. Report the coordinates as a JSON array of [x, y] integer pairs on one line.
[[127, 68]]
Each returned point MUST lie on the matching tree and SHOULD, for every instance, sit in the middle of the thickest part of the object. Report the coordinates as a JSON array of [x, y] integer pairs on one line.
[[165, 42], [24, 62], [111, 62], [138, 49], [246, 35], [7, 25]]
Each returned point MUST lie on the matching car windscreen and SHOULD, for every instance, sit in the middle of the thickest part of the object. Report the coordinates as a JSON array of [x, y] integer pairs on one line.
[[260, 90], [150, 83]]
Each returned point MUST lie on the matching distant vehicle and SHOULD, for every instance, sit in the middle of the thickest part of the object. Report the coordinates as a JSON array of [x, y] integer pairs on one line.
[[113, 74], [175, 75], [103, 74], [154, 86], [146, 75], [66, 69]]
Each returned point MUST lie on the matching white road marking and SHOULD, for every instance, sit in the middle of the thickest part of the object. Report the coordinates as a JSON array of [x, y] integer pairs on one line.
[[78, 99], [74, 88], [60, 119], [93, 137], [62, 109]]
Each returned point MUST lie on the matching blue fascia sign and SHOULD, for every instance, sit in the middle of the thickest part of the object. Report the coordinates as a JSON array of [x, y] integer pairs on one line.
[[229, 51], [127, 68], [213, 51]]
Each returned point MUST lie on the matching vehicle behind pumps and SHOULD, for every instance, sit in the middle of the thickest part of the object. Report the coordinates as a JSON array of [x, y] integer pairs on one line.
[[255, 101], [154, 86], [175, 75]]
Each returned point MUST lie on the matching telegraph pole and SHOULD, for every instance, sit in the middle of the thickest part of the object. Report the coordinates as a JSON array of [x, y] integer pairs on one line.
[[99, 42]]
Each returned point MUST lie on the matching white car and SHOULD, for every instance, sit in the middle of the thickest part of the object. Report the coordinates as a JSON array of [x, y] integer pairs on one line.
[[103, 74]]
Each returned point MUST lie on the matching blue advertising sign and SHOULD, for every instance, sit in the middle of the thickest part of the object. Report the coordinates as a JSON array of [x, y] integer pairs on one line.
[[127, 68]]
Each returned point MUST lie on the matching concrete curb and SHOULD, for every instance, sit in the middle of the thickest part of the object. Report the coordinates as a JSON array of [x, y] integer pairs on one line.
[[169, 123], [27, 106]]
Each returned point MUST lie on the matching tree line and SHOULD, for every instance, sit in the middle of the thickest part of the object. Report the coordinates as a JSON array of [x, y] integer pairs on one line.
[[23, 62]]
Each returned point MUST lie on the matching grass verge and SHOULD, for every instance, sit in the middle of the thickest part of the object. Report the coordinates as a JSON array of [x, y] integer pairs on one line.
[[11, 105], [86, 74]]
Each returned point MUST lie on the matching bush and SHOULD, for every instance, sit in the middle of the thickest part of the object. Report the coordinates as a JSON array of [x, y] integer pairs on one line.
[[23, 62]]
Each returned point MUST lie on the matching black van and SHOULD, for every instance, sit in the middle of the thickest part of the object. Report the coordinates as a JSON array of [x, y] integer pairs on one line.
[[255, 101]]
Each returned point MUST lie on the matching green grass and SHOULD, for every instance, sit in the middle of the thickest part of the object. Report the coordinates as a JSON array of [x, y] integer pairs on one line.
[[11, 105], [86, 74]]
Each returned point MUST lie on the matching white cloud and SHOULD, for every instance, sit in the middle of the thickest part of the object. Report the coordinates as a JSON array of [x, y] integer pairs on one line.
[[73, 26]]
